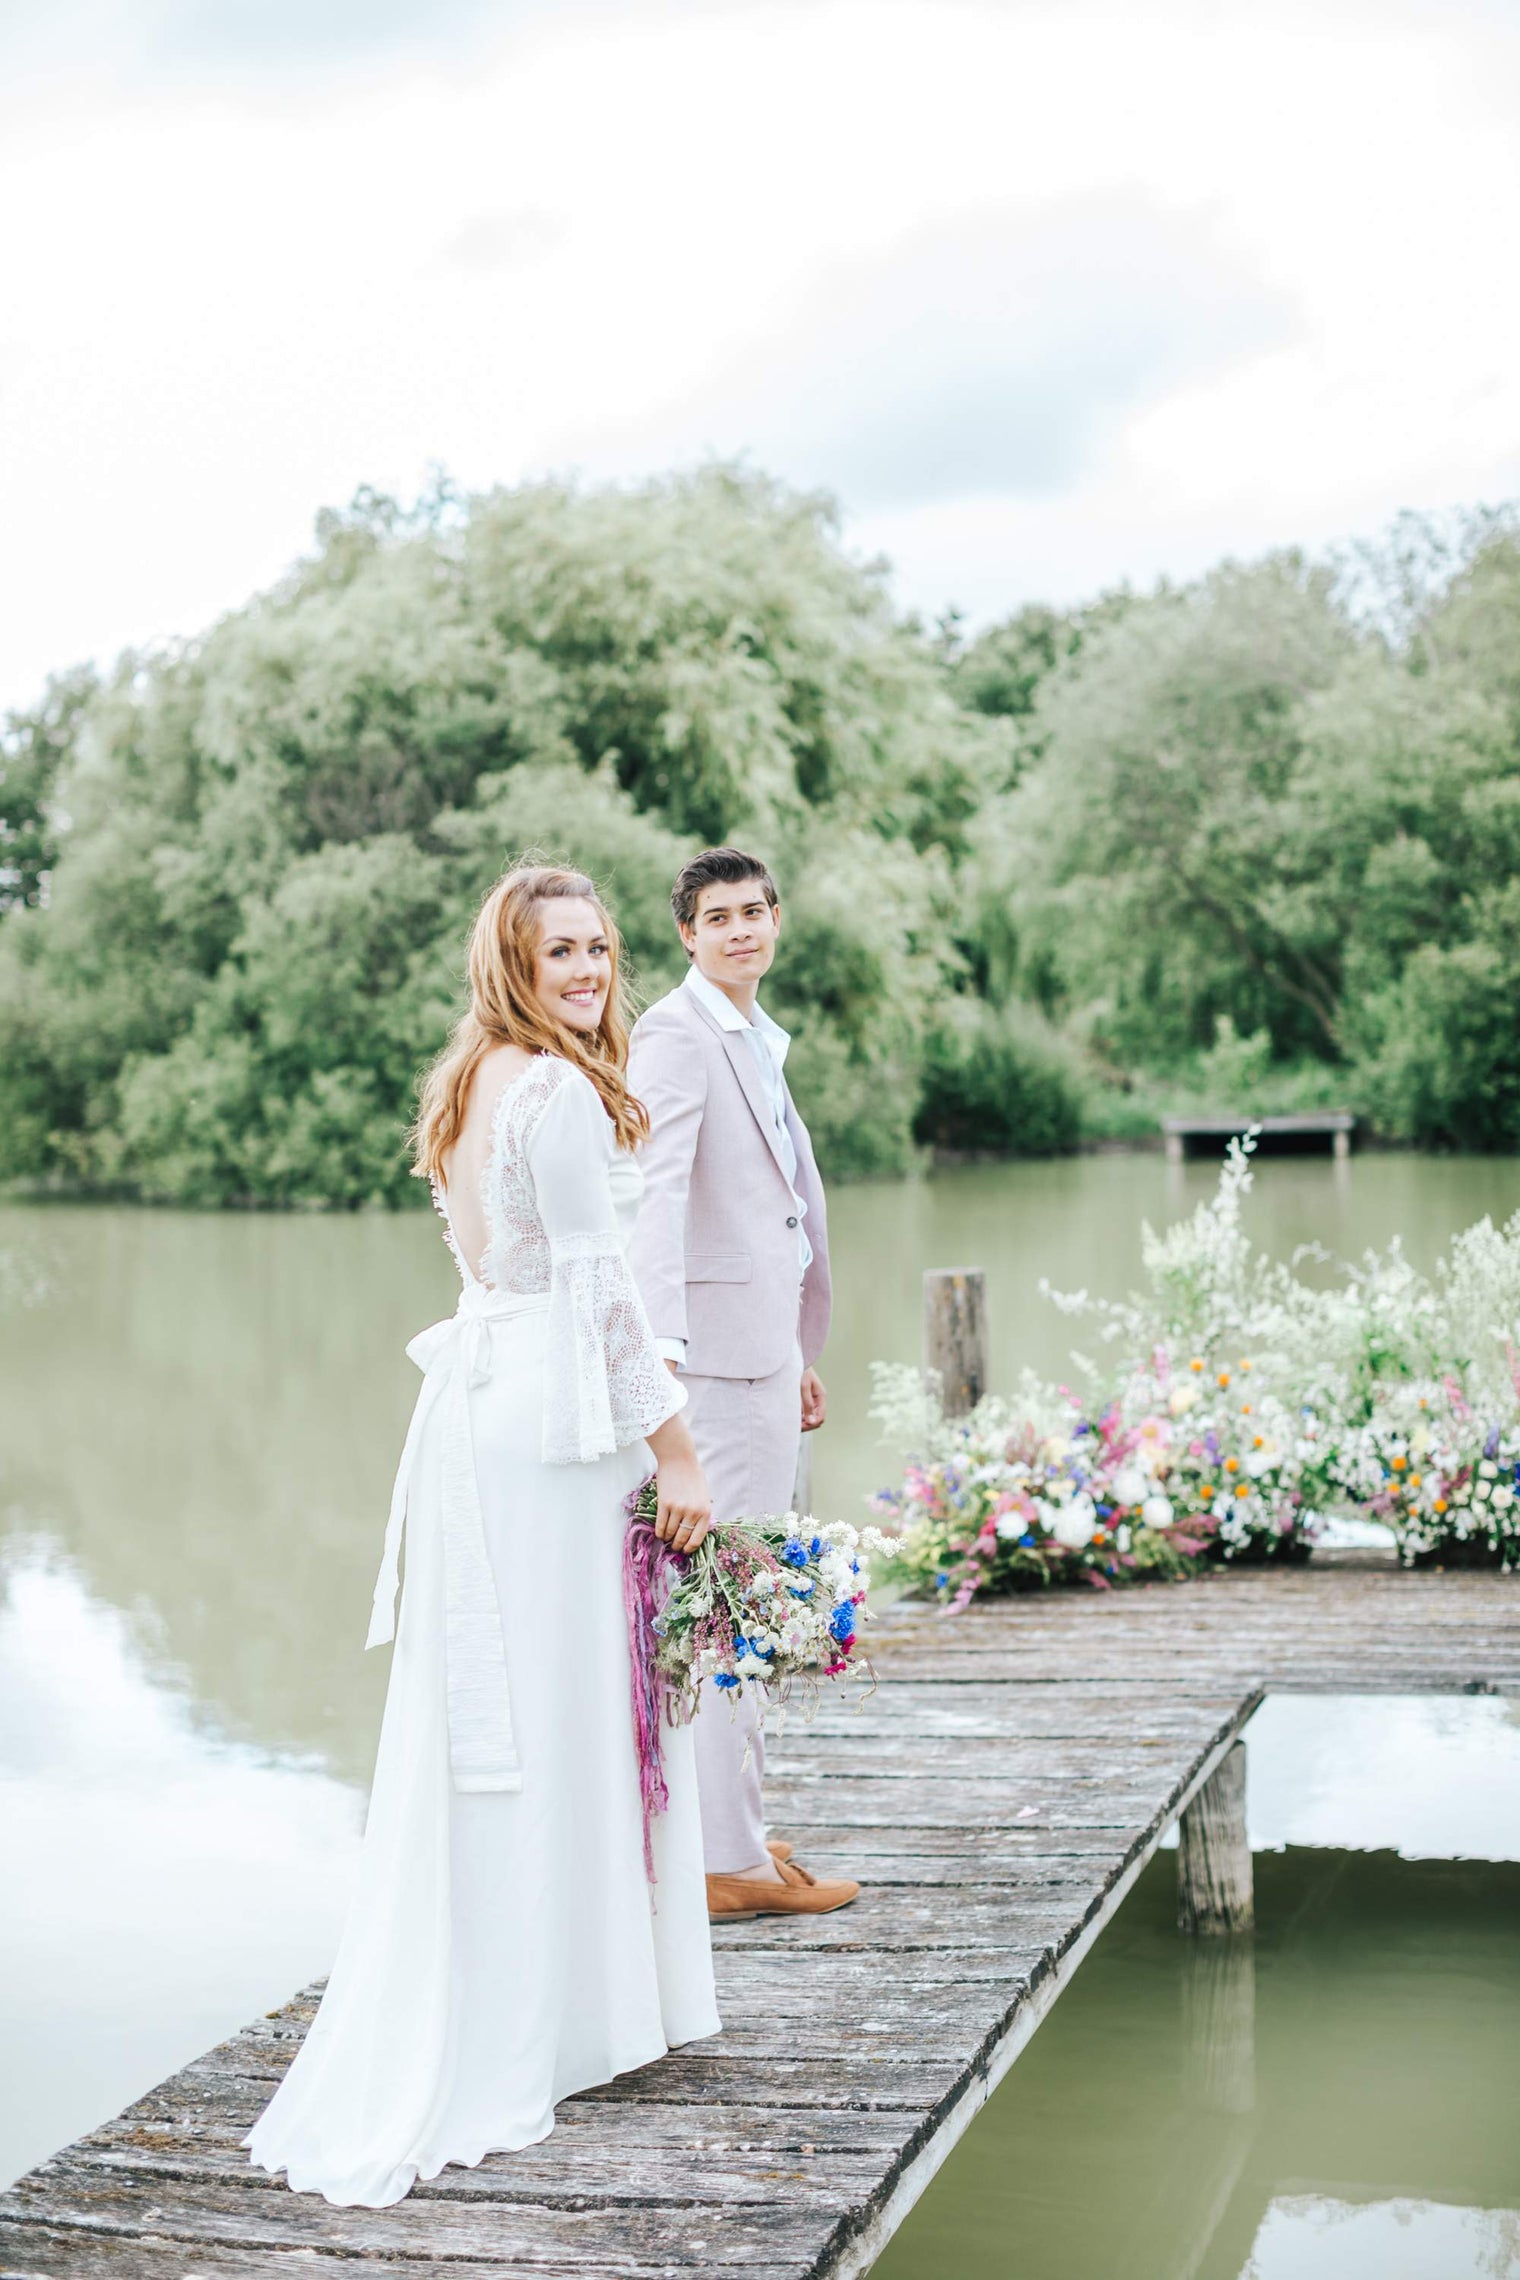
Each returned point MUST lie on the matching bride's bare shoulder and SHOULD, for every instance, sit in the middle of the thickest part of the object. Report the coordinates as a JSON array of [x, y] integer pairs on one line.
[[501, 1066]]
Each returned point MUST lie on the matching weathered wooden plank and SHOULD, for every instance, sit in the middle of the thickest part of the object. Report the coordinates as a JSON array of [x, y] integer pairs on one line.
[[432, 2225]]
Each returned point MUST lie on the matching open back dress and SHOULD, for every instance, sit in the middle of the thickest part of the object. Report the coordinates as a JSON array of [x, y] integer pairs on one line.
[[505, 1947]]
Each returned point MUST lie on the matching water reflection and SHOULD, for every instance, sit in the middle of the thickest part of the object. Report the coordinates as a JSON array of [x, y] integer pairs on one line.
[[1314, 2238], [162, 1884], [1433, 1777]]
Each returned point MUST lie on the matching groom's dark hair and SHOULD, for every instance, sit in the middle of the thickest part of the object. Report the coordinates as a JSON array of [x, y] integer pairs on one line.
[[716, 867]]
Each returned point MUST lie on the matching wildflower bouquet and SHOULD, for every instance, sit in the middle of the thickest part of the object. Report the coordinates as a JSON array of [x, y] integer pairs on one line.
[[762, 1604]]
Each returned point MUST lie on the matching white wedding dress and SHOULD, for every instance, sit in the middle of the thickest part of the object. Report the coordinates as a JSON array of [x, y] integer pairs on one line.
[[504, 1948]]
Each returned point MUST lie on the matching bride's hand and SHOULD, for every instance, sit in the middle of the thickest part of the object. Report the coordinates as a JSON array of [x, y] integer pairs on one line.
[[684, 1512]]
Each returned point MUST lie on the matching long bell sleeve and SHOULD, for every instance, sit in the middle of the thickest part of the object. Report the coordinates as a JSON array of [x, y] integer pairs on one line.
[[604, 1382]]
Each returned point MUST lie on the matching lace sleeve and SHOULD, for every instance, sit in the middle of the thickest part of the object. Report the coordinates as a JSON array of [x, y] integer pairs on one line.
[[604, 1383]]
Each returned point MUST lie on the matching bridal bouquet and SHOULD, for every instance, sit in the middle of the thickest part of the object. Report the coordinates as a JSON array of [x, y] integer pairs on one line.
[[761, 1604]]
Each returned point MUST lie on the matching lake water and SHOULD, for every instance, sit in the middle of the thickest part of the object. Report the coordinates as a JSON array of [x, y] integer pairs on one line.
[[201, 1416], [1332, 2100]]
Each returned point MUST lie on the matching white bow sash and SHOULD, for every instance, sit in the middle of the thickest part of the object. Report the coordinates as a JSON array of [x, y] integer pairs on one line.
[[453, 1356]]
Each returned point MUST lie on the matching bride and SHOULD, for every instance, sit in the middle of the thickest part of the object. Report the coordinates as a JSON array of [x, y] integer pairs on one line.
[[505, 1947]]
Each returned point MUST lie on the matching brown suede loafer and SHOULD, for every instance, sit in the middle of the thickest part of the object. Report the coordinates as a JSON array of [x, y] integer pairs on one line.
[[734, 1899]]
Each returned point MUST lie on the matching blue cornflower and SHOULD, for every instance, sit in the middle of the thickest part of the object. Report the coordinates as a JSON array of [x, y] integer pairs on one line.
[[743, 1646], [724, 1678], [794, 1552], [801, 1590], [855, 1564], [815, 1548], [842, 1621]]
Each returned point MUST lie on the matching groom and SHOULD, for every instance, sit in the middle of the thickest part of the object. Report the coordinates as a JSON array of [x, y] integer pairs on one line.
[[731, 1256]]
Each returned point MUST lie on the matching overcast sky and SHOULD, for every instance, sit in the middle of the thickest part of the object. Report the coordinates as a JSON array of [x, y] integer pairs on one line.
[[1048, 295]]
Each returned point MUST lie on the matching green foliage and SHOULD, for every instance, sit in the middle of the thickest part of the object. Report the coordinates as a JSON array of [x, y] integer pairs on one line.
[[998, 1081], [1443, 1045], [1249, 843], [276, 836]]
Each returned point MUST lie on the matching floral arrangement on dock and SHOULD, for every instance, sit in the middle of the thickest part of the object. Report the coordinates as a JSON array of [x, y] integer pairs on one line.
[[1247, 1405]]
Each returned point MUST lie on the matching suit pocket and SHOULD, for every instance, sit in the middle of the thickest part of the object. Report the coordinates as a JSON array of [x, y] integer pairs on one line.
[[711, 1267]]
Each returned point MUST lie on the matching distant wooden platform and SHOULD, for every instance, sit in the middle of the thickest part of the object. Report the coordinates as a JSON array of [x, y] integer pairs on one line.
[[998, 1796], [1195, 1135]]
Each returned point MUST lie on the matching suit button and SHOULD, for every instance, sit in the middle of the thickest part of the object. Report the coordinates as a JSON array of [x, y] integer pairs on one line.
[[791, 1223]]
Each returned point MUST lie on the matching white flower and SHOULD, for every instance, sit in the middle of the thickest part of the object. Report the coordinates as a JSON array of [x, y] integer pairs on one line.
[[1483, 1490], [1074, 1525], [1488, 1471], [1503, 1497], [1157, 1512], [1181, 1399], [1010, 1524], [1130, 1485]]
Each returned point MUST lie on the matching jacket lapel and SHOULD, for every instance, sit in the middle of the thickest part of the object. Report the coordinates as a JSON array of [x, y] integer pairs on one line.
[[741, 1058]]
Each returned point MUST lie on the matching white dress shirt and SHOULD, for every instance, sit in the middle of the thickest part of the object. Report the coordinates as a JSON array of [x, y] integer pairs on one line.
[[769, 1043]]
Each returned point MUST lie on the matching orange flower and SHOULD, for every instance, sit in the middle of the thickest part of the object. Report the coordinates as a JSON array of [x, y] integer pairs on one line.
[[1258, 1441], [1232, 1464], [1414, 1482], [1440, 1504], [1243, 1488], [1224, 1377], [1195, 1365], [1245, 1365], [1399, 1463]]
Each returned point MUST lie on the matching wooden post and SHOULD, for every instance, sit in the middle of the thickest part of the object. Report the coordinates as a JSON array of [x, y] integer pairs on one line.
[[1340, 1147], [955, 1334], [1214, 1855]]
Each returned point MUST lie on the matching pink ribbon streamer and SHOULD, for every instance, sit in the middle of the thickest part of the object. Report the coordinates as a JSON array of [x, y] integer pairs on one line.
[[648, 1568]]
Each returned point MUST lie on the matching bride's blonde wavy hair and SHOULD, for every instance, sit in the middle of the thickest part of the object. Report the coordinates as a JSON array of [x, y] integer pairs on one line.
[[504, 1009]]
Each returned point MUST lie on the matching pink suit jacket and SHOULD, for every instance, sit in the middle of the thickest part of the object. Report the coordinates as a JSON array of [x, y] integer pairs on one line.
[[715, 1250]]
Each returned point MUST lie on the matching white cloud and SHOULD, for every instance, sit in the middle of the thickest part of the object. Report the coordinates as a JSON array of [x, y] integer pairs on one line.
[[1052, 293]]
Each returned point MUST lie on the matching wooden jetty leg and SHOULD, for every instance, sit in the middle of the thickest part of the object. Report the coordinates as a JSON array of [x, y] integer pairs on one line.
[[1214, 1891], [1219, 2026], [955, 1334], [1340, 1147]]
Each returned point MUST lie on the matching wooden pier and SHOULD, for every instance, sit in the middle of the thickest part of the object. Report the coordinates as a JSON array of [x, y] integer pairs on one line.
[[1210, 1135], [998, 1796]]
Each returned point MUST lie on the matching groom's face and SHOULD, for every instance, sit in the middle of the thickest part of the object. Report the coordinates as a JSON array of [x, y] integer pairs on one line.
[[732, 937]]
